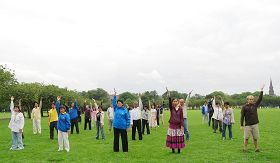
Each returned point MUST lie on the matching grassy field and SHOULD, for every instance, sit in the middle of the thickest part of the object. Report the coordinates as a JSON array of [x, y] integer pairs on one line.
[[204, 146]]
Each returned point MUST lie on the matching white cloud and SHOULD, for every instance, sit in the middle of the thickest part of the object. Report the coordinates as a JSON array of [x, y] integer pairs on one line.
[[200, 45]]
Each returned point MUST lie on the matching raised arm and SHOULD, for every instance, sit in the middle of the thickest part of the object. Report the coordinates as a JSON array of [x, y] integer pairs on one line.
[[12, 105], [260, 96], [140, 103], [114, 101], [169, 98], [188, 99], [57, 104], [75, 105], [40, 104], [222, 102], [214, 102]]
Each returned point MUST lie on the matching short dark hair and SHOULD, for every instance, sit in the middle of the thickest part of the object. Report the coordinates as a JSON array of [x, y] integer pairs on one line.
[[121, 101], [226, 103], [17, 106]]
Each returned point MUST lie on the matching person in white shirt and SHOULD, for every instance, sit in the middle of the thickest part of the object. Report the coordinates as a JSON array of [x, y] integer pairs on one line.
[[184, 105], [217, 115], [16, 125], [36, 117], [136, 119], [110, 115], [100, 123], [145, 120]]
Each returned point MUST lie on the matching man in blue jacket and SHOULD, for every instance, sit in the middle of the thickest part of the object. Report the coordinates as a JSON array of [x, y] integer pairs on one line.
[[73, 112], [121, 123]]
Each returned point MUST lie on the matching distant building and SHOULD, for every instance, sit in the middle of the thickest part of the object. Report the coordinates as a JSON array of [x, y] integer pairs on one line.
[[271, 90]]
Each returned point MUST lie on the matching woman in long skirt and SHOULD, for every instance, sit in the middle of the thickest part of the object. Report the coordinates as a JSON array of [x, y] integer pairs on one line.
[[175, 135]]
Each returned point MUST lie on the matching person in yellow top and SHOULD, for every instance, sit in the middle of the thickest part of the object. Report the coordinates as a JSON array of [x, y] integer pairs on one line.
[[36, 117], [53, 118]]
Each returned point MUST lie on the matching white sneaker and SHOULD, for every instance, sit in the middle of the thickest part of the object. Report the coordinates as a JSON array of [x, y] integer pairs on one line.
[[12, 149], [224, 138], [20, 148], [59, 150], [67, 150]]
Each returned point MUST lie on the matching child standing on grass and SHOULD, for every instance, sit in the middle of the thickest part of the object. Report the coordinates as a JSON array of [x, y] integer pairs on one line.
[[16, 125], [63, 126], [175, 136], [36, 117], [217, 115]]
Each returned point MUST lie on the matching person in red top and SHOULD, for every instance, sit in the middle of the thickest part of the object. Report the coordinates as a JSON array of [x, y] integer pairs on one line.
[[175, 135]]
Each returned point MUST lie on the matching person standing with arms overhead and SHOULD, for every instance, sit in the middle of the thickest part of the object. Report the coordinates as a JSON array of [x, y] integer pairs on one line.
[[121, 123], [63, 126], [16, 125], [145, 120], [184, 105], [175, 136], [210, 113], [73, 112], [249, 114], [87, 112], [136, 119], [217, 115], [110, 115], [36, 117], [53, 118]]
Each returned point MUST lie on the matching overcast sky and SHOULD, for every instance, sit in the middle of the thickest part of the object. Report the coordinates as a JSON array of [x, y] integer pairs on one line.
[[232, 46]]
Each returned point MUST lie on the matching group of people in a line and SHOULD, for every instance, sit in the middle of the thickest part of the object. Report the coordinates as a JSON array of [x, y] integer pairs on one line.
[[121, 118], [222, 117]]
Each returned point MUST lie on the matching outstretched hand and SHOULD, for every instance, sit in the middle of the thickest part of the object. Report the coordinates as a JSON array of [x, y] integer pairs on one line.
[[58, 98], [262, 87], [115, 91], [167, 91], [12, 98]]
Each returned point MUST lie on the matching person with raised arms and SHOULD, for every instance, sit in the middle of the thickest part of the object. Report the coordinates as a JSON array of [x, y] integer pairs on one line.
[[16, 125], [63, 126], [249, 114], [184, 105], [136, 118], [175, 134], [110, 116], [53, 118], [73, 112], [36, 117], [120, 124], [217, 115]]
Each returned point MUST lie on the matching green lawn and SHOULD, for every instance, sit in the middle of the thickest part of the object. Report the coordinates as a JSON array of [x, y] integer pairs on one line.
[[204, 146]]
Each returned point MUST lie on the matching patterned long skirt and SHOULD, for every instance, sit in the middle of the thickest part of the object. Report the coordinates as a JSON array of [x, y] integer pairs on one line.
[[175, 137]]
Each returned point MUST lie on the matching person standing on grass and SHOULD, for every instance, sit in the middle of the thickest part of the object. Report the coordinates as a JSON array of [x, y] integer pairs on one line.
[[36, 117], [161, 115], [73, 112], [175, 136], [100, 123], [184, 105], [53, 118], [228, 119], [204, 112], [87, 112], [121, 123], [158, 114], [16, 125], [145, 120], [93, 114], [63, 126], [136, 119], [153, 117], [249, 113], [110, 115], [210, 113], [217, 115]]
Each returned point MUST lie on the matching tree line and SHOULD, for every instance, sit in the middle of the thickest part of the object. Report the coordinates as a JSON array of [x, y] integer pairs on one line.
[[32, 92]]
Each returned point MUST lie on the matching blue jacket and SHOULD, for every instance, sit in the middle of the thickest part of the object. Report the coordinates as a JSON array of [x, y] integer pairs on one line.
[[63, 123], [74, 111], [121, 117]]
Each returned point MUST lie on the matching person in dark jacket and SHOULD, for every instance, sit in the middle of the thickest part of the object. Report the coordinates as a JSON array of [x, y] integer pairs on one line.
[[249, 113]]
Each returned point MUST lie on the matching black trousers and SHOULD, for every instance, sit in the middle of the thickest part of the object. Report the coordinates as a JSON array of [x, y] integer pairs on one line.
[[209, 122], [136, 124], [53, 125], [75, 122], [217, 122], [87, 121], [157, 120], [123, 133], [145, 123]]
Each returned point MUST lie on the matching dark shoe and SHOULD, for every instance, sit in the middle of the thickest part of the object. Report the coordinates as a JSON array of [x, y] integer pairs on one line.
[[257, 150], [245, 150], [179, 151], [173, 150]]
